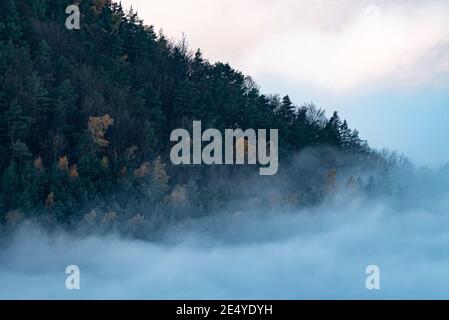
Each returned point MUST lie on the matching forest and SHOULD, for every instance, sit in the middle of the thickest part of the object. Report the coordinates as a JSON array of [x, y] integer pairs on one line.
[[86, 117]]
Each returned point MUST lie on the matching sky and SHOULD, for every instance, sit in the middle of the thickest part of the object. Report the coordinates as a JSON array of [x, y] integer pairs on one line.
[[384, 65]]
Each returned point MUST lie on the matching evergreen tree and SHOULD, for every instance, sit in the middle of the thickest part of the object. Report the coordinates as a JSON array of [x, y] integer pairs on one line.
[[287, 110], [18, 123], [64, 111], [43, 62], [332, 130]]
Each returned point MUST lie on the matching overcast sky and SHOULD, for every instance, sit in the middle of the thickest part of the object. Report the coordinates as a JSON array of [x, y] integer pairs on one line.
[[383, 64]]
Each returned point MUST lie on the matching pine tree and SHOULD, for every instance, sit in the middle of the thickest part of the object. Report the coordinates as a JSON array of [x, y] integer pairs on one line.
[[332, 130], [64, 111], [38, 97], [287, 110], [43, 62], [346, 136], [17, 122], [20, 152], [11, 28], [11, 185]]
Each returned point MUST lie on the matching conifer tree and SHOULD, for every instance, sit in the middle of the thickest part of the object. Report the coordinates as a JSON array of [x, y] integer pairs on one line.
[[18, 122], [287, 110]]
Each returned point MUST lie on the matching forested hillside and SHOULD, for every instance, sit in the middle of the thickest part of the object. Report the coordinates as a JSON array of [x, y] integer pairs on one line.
[[86, 116]]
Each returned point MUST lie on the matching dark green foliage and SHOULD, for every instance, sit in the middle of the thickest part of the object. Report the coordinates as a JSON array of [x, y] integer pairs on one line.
[[53, 81]]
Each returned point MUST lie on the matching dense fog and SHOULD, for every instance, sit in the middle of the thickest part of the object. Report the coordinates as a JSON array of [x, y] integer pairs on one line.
[[316, 252]]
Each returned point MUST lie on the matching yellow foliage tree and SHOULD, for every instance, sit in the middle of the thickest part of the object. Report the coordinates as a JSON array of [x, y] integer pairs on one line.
[[73, 172], [159, 172], [63, 163], [137, 220], [38, 165], [244, 144], [50, 201], [352, 184], [13, 218], [178, 197], [124, 172], [104, 163], [109, 217], [97, 127], [143, 170], [91, 217], [331, 180]]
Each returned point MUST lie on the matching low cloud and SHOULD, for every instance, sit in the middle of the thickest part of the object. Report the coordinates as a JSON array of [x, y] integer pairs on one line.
[[317, 252]]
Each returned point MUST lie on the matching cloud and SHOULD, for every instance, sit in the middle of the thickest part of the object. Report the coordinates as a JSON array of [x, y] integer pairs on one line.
[[313, 253], [335, 45], [380, 44]]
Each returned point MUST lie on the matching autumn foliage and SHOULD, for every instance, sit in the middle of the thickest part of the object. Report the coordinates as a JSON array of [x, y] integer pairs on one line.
[[97, 127]]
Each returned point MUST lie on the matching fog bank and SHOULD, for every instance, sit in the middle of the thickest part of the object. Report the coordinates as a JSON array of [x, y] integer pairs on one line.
[[319, 252]]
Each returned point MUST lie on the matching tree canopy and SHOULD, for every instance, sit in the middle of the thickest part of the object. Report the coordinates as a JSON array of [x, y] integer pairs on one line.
[[86, 115]]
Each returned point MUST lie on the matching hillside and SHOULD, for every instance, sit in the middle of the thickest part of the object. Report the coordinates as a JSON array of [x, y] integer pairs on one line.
[[86, 116]]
